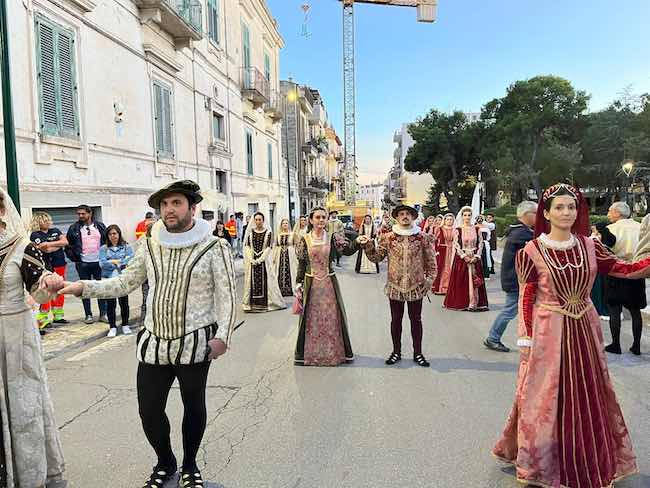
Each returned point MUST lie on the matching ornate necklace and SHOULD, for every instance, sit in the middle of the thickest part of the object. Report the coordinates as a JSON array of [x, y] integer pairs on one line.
[[549, 244]]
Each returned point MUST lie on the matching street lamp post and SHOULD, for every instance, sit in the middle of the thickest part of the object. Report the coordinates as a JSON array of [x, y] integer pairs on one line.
[[7, 110]]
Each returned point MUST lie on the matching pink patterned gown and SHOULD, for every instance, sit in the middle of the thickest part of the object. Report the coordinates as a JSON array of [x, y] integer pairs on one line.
[[323, 337], [566, 428]]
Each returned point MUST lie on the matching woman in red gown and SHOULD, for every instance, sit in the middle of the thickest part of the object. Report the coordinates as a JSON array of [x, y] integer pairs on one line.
[[466, 289], [444, 237], [566, 428]]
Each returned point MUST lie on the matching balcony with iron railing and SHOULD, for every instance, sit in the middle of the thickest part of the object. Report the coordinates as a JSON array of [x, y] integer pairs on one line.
[[273, 108], [254, 86], [180, 18]]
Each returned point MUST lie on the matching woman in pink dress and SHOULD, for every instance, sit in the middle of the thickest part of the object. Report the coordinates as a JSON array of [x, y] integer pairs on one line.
[[566, 428], [466, 290], [323, 338], [444, 237]]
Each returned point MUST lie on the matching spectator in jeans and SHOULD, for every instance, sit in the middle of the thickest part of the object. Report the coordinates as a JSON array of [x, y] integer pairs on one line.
[[517, 237], [114, 256], [50, 241], [85, 237]]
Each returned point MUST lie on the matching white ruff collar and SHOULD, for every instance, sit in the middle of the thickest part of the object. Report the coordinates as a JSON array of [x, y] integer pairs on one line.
[[414, 230], [172, 240], [558, 245]]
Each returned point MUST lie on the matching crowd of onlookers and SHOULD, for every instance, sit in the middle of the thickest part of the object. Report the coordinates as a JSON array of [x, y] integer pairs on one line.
[[98, 251]]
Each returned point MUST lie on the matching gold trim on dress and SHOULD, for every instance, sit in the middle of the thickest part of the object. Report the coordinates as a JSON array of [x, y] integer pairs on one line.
[[563, 311]]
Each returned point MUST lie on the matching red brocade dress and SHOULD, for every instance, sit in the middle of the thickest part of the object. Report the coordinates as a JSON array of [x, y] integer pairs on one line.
[[444, 257], [466, 289], [566, 428]]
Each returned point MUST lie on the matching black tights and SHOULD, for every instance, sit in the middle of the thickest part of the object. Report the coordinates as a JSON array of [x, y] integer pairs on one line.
[[154, 383], [615, 324]]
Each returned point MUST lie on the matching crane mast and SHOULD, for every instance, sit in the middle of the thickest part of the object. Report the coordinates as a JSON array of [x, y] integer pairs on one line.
[[349, 116], [426, 10]]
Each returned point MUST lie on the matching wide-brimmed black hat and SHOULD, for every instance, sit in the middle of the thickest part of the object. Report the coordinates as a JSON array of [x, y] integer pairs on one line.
[[187, 187], [397, 209]]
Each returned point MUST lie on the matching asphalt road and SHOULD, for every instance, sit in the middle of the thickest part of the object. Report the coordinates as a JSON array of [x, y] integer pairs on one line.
[[272, 424]]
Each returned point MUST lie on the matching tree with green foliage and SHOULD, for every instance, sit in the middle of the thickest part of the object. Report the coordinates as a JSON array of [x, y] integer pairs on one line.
[[446, 148], [532, 122]]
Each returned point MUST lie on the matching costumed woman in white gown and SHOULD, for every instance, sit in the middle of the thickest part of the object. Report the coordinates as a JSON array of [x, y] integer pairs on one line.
[[261, 290], [30, 447]]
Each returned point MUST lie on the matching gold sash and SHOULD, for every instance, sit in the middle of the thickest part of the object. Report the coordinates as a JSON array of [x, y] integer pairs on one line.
[[563, 311]]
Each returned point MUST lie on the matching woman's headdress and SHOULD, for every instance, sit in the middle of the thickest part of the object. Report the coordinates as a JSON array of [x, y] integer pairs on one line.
[[580, 226]]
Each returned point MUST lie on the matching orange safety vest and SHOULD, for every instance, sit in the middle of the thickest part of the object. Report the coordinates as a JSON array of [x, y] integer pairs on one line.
[[231, 227]]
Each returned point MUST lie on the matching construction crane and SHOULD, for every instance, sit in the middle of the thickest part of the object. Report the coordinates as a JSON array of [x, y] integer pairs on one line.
[[426, 12]]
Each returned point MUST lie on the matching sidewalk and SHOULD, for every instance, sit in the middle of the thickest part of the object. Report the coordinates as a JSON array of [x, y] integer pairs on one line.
[[62, 339]]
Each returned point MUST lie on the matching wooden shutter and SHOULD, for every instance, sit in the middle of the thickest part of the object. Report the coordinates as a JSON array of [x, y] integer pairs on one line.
[[57, 81], [267, 67], [249, 152], [168, 125], [46, 60], [67, 85], [269, 153], [158, 117], [246, 46], [213, 20]]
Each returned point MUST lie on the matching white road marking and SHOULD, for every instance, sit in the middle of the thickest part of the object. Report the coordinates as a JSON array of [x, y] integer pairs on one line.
[[112, 344]]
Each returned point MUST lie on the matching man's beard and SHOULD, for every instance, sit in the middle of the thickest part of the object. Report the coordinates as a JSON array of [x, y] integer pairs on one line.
[[180, 225]]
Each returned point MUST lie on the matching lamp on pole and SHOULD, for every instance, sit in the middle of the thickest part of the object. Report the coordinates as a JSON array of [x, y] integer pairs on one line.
[[7, 111]]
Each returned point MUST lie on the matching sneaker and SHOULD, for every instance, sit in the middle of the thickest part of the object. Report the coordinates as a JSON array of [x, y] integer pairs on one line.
[[495, 346], [103, 318], [126, 330], [61, 321], [89, 319], [604, 317], [112, 332]]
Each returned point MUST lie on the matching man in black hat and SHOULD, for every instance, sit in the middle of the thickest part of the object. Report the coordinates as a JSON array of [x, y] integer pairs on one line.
[[411, 272], [191, 314]]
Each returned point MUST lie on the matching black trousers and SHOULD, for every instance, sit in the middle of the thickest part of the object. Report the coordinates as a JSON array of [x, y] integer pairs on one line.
[[615, 324], [90, 271], [154, 383], [111, 309]]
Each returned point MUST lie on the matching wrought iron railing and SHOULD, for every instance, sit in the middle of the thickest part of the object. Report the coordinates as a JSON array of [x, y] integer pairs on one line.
[[190, 11], [253, 79]]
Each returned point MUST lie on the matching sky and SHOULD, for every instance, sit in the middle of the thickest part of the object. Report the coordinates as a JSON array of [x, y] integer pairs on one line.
[[469, 56]]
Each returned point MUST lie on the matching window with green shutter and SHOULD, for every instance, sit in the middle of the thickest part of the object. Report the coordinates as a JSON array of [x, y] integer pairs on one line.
[[269, 155], [218, 127], [213, 20], [57, 79], [267, 67], [164, 121], [249, 152], [246, 46]]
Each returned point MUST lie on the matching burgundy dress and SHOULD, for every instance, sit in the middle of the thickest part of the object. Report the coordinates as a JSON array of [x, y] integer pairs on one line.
[[566, 428], [445, 258], [466, 286]]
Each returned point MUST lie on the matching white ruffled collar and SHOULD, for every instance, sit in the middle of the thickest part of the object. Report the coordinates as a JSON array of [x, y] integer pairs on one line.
[[414, 230], [173, 240], [558, 245]]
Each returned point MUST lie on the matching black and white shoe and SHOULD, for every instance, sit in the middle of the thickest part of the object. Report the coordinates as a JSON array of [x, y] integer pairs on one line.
[[190, 480], [393, 358], [159, 477], [421, 361]]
